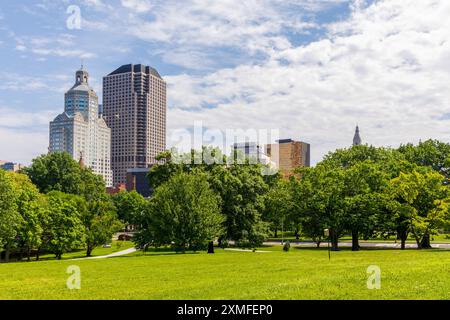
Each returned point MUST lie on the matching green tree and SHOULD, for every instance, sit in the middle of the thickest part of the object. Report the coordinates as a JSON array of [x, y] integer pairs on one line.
[[279, 204], [130, 206], [421, 201], [29, 204], [64, 229], [10, 219], [431, 153], [100, 222], [364, 183], [183, 212], [58, 171], [242, 190], [323, 202]]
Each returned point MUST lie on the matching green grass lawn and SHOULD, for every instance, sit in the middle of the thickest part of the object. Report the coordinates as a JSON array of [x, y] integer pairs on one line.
[[298, 274]]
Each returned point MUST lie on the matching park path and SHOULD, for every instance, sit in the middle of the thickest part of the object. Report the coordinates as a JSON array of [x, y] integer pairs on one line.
[[361, 244], [299, 243], [111, 255], [246, 250]]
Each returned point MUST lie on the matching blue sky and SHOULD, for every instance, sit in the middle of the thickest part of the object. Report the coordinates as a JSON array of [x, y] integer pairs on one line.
[[312, 69]]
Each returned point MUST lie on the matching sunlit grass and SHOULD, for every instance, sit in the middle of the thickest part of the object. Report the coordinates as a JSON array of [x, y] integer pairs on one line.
[[297, 274]]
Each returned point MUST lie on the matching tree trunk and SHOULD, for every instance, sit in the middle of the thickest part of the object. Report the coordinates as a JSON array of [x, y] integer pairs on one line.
[[28, 254], [37, 253], [355, 240], [425, 242], [297, 236], [211, 247], [318, 244], [88, 251], [7, 252], [402, 235], [334, 240], [275, 234]]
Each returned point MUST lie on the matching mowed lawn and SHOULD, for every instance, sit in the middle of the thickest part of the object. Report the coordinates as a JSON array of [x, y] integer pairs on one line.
[[298, 274]]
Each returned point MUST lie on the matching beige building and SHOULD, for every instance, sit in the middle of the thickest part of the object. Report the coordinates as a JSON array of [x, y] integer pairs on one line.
[[134, 106], [287, 155]]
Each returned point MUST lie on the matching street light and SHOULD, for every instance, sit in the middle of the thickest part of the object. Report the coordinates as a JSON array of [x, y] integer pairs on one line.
[[326, 232]]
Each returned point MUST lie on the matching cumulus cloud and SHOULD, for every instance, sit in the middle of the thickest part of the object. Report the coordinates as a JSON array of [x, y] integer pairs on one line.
[[385, 68], [19, 129]]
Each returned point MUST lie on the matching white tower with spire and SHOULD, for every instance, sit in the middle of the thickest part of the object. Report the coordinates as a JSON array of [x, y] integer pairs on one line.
[[80, 131]]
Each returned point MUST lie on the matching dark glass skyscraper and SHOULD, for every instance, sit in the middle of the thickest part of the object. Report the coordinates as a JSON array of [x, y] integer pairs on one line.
[[134, 107]]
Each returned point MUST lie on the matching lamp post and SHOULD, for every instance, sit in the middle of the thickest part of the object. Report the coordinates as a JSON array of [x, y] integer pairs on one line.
[[326, 232]]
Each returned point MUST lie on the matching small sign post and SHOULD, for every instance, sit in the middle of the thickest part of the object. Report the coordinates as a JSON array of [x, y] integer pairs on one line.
[[326, 232]]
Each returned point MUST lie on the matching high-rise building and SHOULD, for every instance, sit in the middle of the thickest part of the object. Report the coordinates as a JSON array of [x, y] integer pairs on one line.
[[134, 107], [357, 138], [287, 155], [250, 151], [81, 130]]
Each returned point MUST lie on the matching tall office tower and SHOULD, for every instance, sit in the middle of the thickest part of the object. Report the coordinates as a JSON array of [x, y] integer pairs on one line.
[[288, 155], [134, 107], [357, 138], [81, 131]]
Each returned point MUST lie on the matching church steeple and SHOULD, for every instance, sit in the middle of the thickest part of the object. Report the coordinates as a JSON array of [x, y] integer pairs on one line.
[[357, 138]]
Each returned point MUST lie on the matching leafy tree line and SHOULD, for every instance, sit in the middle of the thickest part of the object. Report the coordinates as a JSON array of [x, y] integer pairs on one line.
[[54, 206], [202, 196], [370, 192], [363, 191]]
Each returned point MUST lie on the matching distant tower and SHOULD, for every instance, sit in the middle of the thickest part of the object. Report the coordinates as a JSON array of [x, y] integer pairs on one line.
[[357, 138]]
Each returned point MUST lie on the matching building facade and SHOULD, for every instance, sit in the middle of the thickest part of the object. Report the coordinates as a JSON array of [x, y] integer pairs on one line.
[[10, 166], [81, 130], [251, 151], [287, 155], [134, 107], [137, 181]]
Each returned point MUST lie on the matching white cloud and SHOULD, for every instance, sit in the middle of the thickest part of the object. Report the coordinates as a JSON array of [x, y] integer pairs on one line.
[[61, 45], [13, 142], [24, 135], [385, 68], [139, 6]]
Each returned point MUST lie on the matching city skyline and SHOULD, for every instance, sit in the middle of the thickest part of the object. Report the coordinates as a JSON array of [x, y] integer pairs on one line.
[[312, 69]]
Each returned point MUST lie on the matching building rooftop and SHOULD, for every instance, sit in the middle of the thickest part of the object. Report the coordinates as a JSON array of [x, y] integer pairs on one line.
[[136, 68]]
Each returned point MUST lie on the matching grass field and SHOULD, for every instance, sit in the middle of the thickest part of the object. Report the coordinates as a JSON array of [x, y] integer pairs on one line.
[[298, 274]]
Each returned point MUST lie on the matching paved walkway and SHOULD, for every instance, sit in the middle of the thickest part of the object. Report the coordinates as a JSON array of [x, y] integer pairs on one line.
[[361, 244], [247, 250], [112, 255]]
